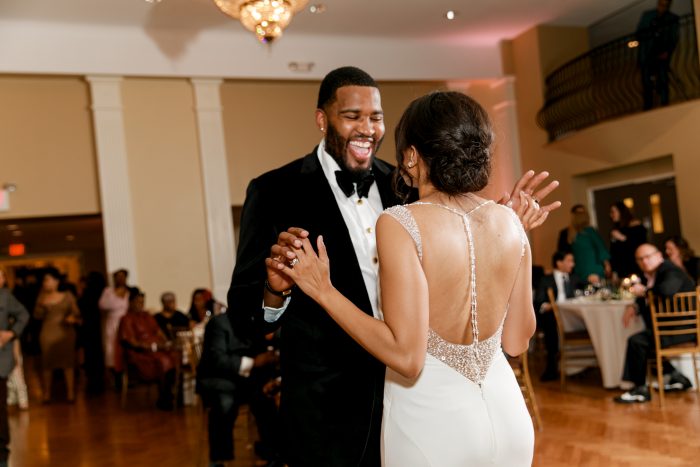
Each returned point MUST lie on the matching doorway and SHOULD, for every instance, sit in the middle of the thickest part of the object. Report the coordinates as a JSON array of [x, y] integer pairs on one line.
[[652, 201]]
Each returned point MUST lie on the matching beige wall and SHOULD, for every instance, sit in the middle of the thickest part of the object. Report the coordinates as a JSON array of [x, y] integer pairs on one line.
[[271, 123], [526, 59], [46, 146], [624, 148], [166, 188]]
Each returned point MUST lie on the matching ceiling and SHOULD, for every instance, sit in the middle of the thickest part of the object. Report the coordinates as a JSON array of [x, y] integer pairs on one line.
[[392, 39], [490, 20]]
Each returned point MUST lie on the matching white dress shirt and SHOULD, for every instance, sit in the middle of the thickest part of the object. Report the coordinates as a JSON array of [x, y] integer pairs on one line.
[[360, 216], [559, 279]]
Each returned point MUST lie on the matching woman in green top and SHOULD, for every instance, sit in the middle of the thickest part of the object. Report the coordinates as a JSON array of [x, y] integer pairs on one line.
[[591, 256]]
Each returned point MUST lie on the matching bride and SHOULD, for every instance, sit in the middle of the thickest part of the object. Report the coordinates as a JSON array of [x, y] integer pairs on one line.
[[455, 289]]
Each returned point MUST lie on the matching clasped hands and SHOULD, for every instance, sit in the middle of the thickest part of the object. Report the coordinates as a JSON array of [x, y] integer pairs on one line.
[[293, 260]]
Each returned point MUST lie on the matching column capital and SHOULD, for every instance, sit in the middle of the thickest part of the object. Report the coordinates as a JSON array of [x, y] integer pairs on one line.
[[106, 92], [207, 94]]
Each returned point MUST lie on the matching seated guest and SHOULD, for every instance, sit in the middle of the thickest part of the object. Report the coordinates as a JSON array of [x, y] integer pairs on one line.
[[146, 348], [170, 319], [663, 279], [222, 382], [201, 307], [563, 283], [679, 253]]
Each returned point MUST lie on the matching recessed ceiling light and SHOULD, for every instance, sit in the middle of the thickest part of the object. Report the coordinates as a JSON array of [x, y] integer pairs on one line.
[[153, 1], [16, 233], [317, 8], [450, 14], [12, 227]]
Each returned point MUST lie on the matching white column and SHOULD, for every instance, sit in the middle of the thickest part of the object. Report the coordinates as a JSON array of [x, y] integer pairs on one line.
[[217, 197], [115, 193], [505, 121]]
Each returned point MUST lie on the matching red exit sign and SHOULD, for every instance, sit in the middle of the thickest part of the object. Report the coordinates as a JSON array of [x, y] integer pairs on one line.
[[16, 249]]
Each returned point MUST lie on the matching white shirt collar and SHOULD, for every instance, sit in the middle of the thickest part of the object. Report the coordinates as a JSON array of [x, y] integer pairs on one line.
[[561, 274], [328, 164]]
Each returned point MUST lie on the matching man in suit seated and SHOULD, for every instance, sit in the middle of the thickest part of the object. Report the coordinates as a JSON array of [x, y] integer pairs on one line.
[[563, 283], [224, 383], [663, 279]]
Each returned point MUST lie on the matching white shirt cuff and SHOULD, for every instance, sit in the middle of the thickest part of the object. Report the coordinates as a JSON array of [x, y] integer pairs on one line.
[[246, 366], [273, 314]]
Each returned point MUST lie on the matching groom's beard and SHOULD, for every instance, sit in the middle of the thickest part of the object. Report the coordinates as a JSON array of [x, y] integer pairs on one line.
[[337, 147]]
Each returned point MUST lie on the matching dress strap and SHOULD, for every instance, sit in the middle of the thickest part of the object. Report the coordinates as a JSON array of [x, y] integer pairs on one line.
[[406, 219], [472, 266]]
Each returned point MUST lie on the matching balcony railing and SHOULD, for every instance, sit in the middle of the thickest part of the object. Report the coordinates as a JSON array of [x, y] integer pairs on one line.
[[607, 82]]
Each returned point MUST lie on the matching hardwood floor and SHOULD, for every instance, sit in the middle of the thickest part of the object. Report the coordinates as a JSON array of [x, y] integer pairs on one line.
[[582, 426]]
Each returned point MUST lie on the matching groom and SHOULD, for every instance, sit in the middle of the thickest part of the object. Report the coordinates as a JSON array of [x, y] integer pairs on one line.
[[331, 400]]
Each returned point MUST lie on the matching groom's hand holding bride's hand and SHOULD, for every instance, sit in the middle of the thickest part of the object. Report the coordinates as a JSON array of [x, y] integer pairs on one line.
[[526, 191], [311, 272], [282, 253]]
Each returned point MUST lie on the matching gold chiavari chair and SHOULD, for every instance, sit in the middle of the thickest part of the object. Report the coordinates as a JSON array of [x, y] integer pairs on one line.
[[574, 346], [675, 316]]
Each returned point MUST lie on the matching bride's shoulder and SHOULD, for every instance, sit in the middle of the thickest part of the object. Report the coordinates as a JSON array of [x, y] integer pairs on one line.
[[503, 220]]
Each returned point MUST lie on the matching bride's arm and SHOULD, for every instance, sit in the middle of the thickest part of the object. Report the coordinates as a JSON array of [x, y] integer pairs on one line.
[[520, 322], [400, 341]]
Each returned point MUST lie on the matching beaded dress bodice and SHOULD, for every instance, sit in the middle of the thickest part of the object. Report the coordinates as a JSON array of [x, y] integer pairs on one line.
[[471, 360]]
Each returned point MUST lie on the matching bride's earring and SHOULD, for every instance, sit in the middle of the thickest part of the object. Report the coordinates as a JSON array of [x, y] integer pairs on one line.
[[412, 163]]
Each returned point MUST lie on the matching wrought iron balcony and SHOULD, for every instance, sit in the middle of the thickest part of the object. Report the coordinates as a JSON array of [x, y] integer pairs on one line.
[[606, 82]]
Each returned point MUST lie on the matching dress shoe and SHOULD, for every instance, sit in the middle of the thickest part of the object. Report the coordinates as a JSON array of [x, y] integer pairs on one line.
[[674, 382], [678, 382], [636, 395]]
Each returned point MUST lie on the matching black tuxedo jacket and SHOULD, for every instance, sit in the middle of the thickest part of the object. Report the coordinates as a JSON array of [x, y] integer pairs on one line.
[[332, 389], [548, 281], [669, 280], [219, 366]]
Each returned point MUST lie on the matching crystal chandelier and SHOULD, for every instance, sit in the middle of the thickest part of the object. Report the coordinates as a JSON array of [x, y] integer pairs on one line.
[[266, 18]]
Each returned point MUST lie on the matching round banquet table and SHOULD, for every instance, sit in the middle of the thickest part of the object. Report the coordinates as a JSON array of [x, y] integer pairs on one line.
[[603, 321]]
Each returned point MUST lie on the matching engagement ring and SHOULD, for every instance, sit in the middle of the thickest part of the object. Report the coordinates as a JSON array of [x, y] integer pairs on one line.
[[293, 262]]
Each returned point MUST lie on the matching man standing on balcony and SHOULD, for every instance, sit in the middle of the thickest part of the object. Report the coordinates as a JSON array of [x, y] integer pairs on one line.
[[657, 34]]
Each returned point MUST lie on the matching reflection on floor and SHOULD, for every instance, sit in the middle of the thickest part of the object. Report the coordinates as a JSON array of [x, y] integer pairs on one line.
[[582, 426]]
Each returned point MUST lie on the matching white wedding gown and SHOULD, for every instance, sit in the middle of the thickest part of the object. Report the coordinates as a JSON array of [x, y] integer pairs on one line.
[[465, 408]]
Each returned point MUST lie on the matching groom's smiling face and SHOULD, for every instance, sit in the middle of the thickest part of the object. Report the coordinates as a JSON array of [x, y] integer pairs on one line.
[[355, 130]]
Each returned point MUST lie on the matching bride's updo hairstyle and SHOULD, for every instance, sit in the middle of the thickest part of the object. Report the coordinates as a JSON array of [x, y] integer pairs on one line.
[[453, 135]]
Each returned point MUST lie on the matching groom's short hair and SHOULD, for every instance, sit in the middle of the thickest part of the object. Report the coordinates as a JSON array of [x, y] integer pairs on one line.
[[338, 78]]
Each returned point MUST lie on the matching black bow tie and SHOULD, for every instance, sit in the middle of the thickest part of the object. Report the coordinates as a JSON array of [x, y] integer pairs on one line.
[[346, 182]]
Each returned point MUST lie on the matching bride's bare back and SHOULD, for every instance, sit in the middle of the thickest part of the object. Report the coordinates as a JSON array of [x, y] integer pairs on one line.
[[501, 264]]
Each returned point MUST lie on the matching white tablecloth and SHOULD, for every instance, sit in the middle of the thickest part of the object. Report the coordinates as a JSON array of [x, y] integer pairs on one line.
[[603, 320]]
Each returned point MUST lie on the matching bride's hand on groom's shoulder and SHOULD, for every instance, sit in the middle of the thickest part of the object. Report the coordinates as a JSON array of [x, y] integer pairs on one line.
[[526, 197], [311, 271]]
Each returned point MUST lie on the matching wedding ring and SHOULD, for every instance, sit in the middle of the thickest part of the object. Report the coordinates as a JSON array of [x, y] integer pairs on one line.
[[293, 262]]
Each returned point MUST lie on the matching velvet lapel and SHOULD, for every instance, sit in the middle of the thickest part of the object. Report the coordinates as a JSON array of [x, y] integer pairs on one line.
[[383, 177], [328, 221]]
